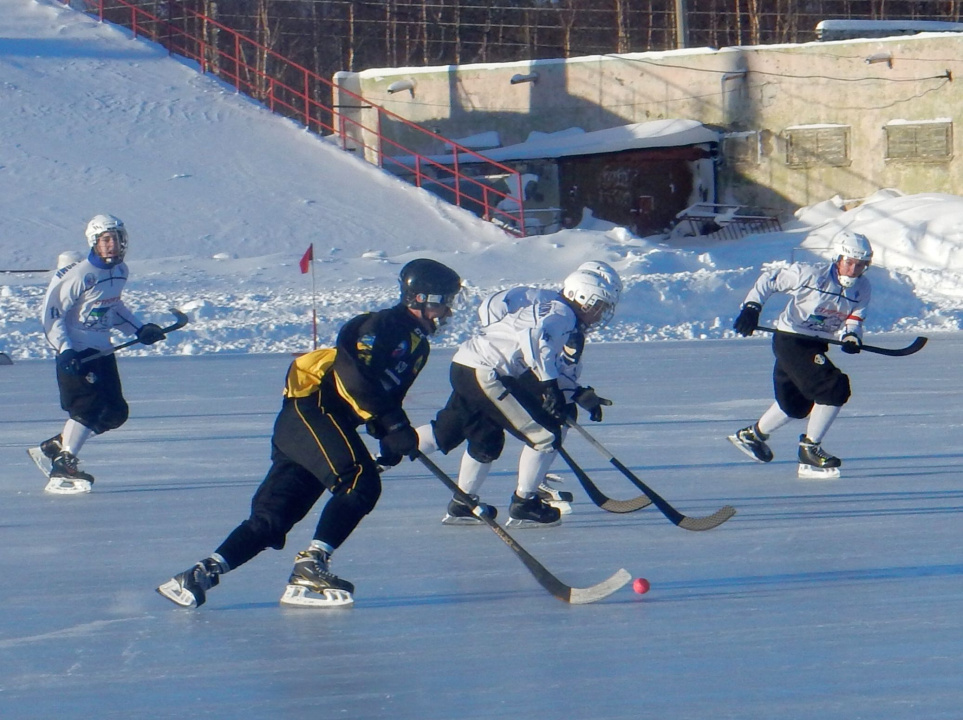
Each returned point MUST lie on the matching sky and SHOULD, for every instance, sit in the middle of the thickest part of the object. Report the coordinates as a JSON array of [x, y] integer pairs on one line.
[[222, 199], [839, 600]]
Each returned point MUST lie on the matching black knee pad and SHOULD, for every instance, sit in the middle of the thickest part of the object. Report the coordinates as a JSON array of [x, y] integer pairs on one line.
[[838, 394], [796, 407], [270, 532], [111, 418], [362, 498], [488, 451]]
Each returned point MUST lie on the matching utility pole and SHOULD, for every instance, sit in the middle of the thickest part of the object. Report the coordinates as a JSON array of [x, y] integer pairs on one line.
[[681, 31]]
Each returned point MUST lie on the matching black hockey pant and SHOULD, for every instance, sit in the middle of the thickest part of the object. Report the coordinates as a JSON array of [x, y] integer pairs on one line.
[[803, 376], [94, 398], [481, 409], [311, 451]]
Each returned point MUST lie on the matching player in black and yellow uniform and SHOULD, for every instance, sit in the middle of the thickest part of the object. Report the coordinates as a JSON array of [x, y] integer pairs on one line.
[[315, 447]]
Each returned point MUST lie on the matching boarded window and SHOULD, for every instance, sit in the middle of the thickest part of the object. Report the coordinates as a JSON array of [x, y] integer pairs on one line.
[[920, 142], [814, 146]]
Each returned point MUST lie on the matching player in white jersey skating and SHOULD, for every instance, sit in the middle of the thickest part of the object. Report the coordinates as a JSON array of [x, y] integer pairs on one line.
[[82, 306], [519, 374], [825, 301]]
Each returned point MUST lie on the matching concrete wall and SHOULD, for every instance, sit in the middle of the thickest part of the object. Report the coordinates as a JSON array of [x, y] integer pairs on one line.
[[757, 95]]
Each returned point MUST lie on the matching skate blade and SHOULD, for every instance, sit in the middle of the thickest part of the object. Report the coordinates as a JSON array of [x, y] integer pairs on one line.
[[66, 486], [460, 520], [42, 461], [299, 596], [176, 593], [745, 449], [809, 472], [526, 524]]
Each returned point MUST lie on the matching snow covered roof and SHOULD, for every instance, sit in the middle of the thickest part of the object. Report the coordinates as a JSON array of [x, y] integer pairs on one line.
[[654, 134], [567, 143]]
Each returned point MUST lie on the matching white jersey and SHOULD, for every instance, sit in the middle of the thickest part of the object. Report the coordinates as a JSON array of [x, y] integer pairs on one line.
[[83, 305], [818, 304], [498, 305], [526, 329]]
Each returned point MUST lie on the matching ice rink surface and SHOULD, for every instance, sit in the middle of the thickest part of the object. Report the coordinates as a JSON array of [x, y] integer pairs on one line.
[[834, 600]]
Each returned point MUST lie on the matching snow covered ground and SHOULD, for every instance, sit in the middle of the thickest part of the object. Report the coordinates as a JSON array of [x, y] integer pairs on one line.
[[834, 600], [222, 199]]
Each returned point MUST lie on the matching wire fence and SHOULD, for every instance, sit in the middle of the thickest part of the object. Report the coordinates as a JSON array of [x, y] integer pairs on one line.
[[332, 35]]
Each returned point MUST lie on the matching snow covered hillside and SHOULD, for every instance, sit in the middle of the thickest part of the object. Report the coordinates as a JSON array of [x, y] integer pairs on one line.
[[222, 199]]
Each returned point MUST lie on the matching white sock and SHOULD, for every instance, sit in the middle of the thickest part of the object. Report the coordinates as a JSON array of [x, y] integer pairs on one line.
[[74, 436], [472, 474], [532, 466], [323, 546], [820, 419], [773, 419], [426, 440]]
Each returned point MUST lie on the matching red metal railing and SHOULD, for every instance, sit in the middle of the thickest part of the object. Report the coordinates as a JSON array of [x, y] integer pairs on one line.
[[292, 90]]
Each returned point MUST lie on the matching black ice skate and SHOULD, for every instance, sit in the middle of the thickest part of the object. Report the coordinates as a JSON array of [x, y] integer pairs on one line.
[[66, 478], [44, 454], [752, 442], [561, 499], [531, 512], [189, 588], [461, 514], [814, 462], [312, 584]]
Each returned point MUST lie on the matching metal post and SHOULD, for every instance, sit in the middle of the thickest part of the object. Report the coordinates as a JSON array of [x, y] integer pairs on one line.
[[681, 29]]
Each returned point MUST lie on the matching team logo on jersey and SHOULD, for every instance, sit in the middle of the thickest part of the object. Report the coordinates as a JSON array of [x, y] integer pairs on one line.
[[820, 359], [97, 317], [401, 350], [89, 280]]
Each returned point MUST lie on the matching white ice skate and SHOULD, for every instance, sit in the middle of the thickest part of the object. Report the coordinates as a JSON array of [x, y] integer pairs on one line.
[[66, 478], [42, 461], [815, 463], [67, 486], [300, 596], [809, 472], [313, 585], [43, 455], [462, 514], [751, 442], [561, 499]]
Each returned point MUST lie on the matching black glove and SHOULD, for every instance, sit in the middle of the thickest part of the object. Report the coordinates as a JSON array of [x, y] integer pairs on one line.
[[748, 319], [851, 343], [397, 445], [390, 421], [150, 333], [553, 401], [586, 398], [69, 362]]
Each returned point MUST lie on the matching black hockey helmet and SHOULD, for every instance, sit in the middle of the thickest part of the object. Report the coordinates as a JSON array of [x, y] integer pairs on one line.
[[427, 282]]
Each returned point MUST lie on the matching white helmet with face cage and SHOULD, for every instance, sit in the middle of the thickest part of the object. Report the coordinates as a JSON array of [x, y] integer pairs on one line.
[[848, 244], [594, 294], [100, 224]]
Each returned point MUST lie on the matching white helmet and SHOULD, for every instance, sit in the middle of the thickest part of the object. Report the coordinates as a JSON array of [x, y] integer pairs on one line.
[[100, 224], [68, 257], [848, 244], [605, 270], [594, 295]]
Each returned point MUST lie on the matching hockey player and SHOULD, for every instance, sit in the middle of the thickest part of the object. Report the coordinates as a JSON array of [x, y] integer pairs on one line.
[[825, 301], [519, 374], [316, 446], [82, 305]]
